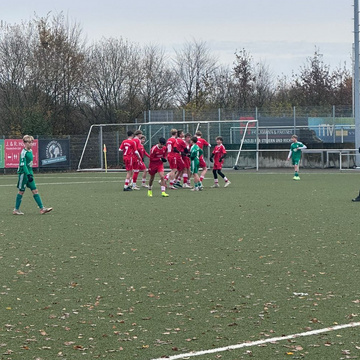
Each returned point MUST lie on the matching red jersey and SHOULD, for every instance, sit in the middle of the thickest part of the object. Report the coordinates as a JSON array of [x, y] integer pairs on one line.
[[156, 154], [142, 151], [170, 145], [128, 147], [181, 144], [218, 152], [201, 143], [137, 142]]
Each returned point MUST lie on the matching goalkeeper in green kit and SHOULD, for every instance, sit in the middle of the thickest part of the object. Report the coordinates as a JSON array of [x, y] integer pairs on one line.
[[195, 153], [295, 154], [26, 177]]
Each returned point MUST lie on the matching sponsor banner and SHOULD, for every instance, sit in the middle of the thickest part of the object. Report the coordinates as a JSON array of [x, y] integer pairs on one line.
[[2, 154], [333, 129], [13, 149], [54, 153]]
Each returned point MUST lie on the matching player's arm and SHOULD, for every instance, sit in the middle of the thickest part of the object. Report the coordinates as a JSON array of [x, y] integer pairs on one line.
[[289, 156], [303, 146], [146, 154]]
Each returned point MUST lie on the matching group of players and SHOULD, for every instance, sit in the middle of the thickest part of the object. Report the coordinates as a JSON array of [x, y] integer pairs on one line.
[[184, 153]]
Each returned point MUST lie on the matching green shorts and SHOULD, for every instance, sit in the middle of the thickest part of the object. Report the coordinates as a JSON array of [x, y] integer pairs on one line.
[[295, 161], [23, 183], [194, 167]]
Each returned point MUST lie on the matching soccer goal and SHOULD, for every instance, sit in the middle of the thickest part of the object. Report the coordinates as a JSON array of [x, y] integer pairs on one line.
[[239, 137]]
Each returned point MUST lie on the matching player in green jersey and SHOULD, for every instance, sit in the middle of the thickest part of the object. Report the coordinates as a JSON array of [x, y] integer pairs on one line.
[[26, 177], [195, 153], [295, 154]]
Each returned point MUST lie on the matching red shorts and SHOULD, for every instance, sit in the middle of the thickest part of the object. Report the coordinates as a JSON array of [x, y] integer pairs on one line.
[[186, 161], [202, 162], [155, 168], [218, 165], [128, 163], [138, 164]]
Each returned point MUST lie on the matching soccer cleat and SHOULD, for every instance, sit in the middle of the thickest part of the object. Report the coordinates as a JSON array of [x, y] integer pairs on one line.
[[145, 186], [172, 188], [297, 178], [149, 193], [178, 185], [187, 186], [195, 189], [227, 183], [215, 186], [45, 210], [164, 194], [17, 212], [128, 188], [135, 188]]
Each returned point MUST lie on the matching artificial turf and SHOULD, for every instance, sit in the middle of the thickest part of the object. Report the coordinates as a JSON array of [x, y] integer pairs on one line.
[[117, 275]]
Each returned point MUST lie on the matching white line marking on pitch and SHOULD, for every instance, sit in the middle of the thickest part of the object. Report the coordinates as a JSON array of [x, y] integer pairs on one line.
[[71, 183], [260, 342]]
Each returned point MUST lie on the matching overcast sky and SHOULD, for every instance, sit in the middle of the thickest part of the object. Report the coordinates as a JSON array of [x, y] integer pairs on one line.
[[281, 33]]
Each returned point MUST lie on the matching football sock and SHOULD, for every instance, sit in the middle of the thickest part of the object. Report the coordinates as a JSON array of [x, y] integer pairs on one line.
[[216, 181], [226, 179], [185, 178], [162, 188], [37, 198], [296, 173], [127, 181], [201, 178], [150, 187], [143, 181], [18, 201], [135, 176]]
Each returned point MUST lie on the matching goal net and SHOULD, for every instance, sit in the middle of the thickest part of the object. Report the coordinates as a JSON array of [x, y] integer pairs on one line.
[[239, 138]]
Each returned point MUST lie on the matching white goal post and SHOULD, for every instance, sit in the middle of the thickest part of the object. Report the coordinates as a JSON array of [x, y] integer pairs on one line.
[[240, 139]]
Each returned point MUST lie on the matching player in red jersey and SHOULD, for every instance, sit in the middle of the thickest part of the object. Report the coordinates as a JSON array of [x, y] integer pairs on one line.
[[157, 158], [174, 158], [184, 151], [142, 166], [128, 148], [201, 143], [217, 157], [137, 163]]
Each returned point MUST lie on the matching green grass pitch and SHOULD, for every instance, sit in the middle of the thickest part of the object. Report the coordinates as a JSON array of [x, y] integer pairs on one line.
[[117, 275]]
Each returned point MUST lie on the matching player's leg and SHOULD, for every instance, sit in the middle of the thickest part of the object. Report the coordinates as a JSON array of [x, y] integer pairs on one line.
[[227, 181], [134, 179], [128, 166], [162, 184], [216, 180], [204, 169], [296, 170], [151, 180], [21, 185], [37, 198], [143, 180]]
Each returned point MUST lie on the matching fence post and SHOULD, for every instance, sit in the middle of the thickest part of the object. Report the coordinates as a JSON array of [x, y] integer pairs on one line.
[[294, 120], [219, 117]]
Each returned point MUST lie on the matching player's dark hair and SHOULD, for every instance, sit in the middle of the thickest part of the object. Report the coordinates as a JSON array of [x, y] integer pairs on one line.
[[219, 138], [187, 134], [194, 139], [179, 132], [162, 141], [130, 133], [142, 137]]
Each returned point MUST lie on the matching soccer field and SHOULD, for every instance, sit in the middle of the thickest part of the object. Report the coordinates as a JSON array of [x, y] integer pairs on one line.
[[117, 275]]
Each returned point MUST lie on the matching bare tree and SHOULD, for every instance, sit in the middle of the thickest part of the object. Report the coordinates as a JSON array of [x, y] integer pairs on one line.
[[60, 56], [158, 85], [193, 65], [113, 75]]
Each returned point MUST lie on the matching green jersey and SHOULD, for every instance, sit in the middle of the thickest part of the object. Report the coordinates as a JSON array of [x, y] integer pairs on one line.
[[195, 152], [295, 150], [26, 162]]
